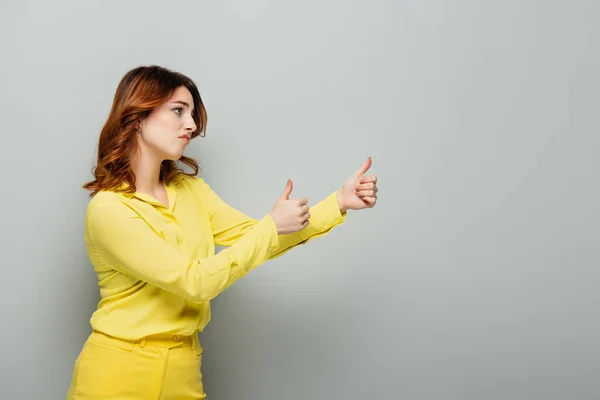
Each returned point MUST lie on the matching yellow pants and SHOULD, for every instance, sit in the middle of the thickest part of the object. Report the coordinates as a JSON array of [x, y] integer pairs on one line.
[[150, 369]]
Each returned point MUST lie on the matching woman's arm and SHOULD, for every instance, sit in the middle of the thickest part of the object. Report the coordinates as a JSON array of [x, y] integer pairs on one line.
[[230, 225], [120, 239]]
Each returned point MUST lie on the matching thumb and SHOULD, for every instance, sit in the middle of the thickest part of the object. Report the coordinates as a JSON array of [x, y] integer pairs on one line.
[[365, 167], [288, 190]]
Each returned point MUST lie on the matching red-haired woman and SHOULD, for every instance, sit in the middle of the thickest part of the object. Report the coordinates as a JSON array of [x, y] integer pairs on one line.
[[150, 232]]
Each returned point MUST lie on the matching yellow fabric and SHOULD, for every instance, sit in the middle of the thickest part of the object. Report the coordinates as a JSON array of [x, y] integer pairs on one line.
[[162, 369], [157, 268]]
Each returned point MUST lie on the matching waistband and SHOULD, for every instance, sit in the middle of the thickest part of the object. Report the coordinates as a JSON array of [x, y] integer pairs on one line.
[[163, 341]]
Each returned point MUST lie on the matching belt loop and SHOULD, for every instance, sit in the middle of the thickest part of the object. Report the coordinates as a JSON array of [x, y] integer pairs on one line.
[[143, 342]]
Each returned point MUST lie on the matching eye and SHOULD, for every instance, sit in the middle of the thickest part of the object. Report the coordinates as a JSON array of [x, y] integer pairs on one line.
[[178, 110]]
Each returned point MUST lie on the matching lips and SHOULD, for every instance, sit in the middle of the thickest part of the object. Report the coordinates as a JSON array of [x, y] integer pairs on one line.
[[185, 137]]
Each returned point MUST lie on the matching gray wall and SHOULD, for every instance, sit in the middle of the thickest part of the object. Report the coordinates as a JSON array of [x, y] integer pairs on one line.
[[476, 275]]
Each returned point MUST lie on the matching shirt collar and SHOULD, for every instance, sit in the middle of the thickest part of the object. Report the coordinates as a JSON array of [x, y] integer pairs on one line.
[[171, 194]]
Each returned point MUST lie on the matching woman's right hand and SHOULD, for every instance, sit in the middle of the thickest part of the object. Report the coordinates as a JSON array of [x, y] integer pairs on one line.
[[290, 215]]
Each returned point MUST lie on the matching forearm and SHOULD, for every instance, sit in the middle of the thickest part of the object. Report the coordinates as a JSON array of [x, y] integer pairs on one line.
[[324, 216], [160, 263]]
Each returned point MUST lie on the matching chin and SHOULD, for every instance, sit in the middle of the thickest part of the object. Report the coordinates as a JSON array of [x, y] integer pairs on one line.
[[175, 157], [176, 154], [172, 156]]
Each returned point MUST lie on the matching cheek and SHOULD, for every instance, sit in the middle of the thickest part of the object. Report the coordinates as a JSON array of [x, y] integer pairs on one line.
[[170, 124], [162, 127]]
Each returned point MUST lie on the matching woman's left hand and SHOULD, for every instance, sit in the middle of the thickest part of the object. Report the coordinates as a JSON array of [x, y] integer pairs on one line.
[[359, 191]]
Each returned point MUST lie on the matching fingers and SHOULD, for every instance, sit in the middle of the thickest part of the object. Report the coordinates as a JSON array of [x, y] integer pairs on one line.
[[288, 189], [304, 218], [366, 193], [301, 201], [303, 212], [367, 179], [290, 215], [367, 190], [370, 200], [367, 186], [304, 209], [365, 167]]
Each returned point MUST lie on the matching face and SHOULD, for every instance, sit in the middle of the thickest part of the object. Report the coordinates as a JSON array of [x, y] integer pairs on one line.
[[167, 131]]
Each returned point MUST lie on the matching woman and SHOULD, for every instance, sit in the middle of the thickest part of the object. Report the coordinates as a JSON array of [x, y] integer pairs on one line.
[[150, 232]]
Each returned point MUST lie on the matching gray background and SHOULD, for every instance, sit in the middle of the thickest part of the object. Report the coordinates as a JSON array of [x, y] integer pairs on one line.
[[476, 275]]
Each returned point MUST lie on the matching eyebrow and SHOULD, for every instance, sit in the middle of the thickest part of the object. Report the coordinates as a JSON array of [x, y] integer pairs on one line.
[[182, 103]]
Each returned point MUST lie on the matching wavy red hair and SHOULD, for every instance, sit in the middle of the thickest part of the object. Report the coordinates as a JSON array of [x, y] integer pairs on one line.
[[140, 91]]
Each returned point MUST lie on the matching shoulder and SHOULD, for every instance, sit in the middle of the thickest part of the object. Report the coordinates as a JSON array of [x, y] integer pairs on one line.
[[107, 206], [107, 199], [199, 190], [106, 211]]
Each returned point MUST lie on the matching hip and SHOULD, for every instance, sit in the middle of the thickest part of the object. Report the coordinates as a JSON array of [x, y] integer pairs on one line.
[[159, 367]]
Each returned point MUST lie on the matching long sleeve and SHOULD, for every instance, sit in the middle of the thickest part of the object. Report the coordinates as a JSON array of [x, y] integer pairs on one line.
[[230, 225], [123, 241]]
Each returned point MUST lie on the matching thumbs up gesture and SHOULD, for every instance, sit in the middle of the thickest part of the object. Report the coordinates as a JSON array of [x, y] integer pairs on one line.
[[290, 215], [358, 191]]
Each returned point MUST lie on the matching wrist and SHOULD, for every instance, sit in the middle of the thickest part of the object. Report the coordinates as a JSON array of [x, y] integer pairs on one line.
[[341, 205]]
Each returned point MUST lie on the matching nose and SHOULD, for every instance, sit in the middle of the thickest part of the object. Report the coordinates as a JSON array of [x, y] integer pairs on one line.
[[190, 125]]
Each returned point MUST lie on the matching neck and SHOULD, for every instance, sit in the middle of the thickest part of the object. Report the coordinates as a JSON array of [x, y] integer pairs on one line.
[[147, 173]]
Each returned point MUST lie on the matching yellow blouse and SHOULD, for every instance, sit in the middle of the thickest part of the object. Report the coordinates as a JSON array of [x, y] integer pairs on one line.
[[156, 265]]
